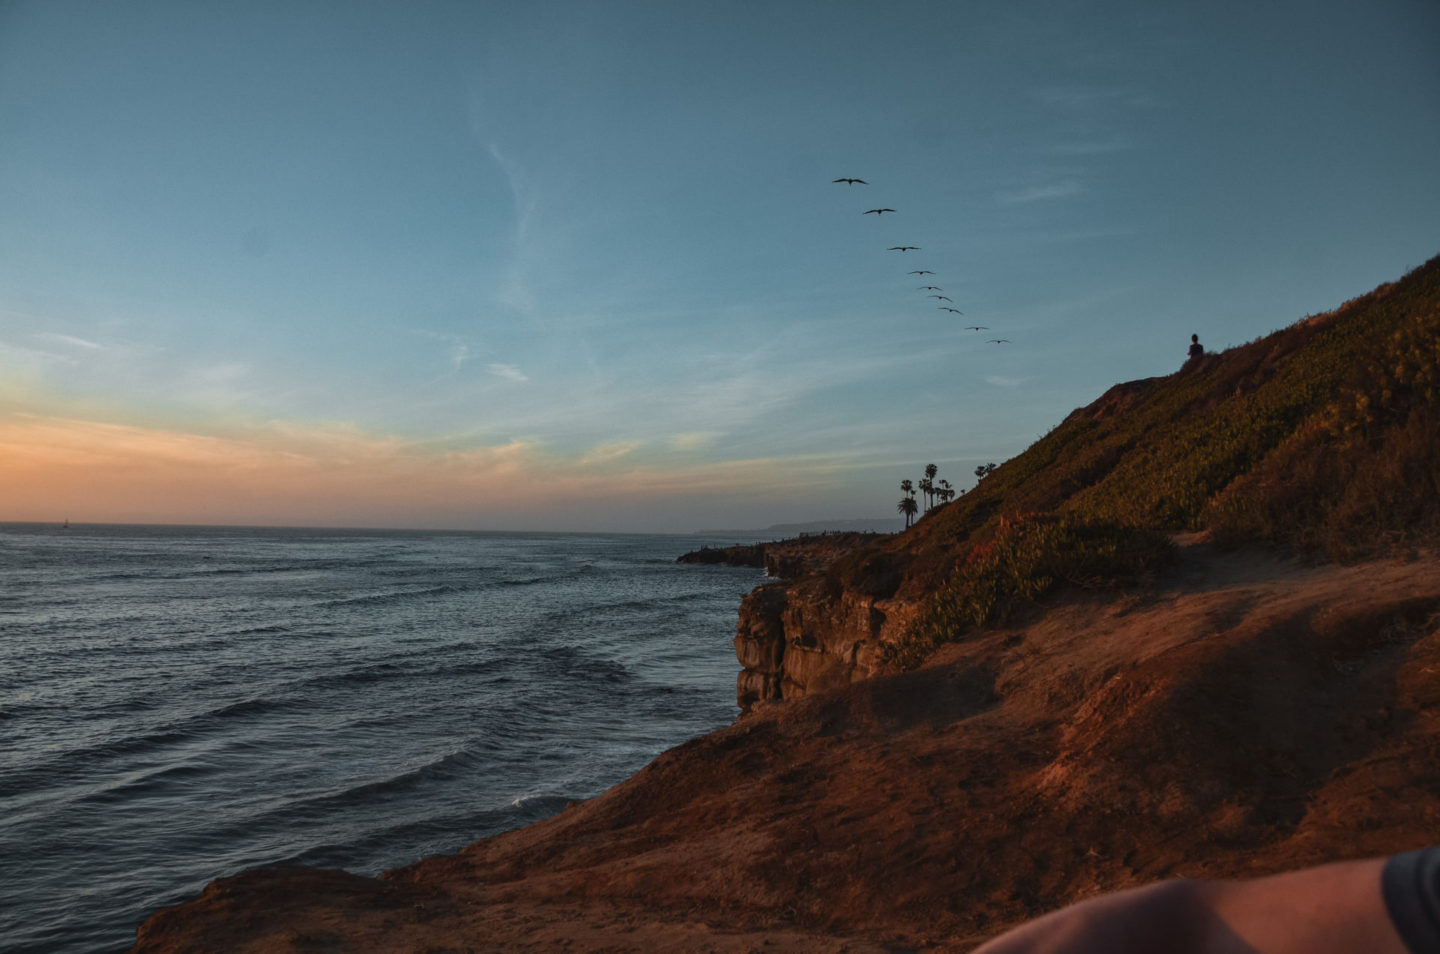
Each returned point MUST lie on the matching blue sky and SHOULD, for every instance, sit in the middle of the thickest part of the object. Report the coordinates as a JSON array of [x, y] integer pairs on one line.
[[577, 265]]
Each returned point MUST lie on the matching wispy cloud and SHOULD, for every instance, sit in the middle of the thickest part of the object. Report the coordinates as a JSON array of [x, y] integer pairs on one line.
[[338, 474], [1092, 147], [1041, 193], [221, 374], [19, 359], [521, 191], [1004, 382], [457, 350], [1083, 96], [508, 371], [745, 394], [69, 340], [697, 441], [516, 292], [608, 453]]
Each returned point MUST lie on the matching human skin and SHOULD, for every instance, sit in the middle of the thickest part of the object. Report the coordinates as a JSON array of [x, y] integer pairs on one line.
[[1332, 909]]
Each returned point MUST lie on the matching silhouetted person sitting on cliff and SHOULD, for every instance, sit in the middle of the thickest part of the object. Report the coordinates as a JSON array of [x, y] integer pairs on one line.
[[1379, 906], [1196, 348]]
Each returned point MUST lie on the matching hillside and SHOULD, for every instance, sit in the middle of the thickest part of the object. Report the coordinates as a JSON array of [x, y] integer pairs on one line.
[[1318, 441], [1318, 437], [1195, 630]]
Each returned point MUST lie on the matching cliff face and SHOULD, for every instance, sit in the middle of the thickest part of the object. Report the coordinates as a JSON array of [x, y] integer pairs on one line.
[[800, 638], [803, 634]]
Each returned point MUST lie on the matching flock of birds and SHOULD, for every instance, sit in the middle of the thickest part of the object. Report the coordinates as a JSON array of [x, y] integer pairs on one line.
[[933, 289]]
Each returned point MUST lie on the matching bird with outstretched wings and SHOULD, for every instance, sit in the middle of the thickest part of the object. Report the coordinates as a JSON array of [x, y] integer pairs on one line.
[[848, 181], [903, 248]]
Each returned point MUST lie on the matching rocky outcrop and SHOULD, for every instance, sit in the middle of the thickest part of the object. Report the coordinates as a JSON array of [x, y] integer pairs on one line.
[[746, 554], [797, 639], [785, 559], [806, 634]]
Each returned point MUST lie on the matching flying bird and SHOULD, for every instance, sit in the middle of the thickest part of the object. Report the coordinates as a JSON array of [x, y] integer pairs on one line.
[[903, 248], [851, 181], [998, 341], [956, 310], [877, 211], [920, 271], [977, 328], [931, 288], [941, 297]]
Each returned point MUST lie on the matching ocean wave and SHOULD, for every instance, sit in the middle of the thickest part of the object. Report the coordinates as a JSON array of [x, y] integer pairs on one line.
[[122, 657], [176, 567], [547, 804], [426, 664], [529, 581], [267, 629], [87, 759], [432, 833], [452, 765], [387, 599], [287, 566], [147, 782], [641, 606], [573, 661]]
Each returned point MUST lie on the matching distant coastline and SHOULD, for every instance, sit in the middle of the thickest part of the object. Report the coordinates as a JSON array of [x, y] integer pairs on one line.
[[875, 525]]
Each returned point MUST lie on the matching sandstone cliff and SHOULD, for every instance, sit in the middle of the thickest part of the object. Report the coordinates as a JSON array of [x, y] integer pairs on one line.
[[796, 639]]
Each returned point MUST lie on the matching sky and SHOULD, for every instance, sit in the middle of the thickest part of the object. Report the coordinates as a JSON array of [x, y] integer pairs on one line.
[[583, 266]]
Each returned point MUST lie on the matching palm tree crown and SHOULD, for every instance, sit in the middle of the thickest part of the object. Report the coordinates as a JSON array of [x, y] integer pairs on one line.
[[908, 507]]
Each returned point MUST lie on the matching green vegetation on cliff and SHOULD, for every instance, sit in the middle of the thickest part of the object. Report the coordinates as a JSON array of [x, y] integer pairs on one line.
[[1320, 439], [1024, 560]]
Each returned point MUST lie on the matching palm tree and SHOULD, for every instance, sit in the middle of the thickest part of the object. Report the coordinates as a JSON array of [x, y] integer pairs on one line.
[[946, 491], [930, 471], [907, 487], [908, 507]]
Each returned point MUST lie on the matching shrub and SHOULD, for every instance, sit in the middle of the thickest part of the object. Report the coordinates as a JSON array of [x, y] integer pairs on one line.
[[1026, 558]]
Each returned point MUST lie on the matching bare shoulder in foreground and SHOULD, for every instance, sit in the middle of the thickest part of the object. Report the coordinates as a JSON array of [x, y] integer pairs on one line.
[[1376, 906]]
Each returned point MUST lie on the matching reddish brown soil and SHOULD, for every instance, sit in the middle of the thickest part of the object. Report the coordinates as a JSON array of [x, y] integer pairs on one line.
[[1241, 716]]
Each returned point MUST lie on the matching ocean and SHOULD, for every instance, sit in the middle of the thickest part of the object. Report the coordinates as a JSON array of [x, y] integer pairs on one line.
[[182, 703]]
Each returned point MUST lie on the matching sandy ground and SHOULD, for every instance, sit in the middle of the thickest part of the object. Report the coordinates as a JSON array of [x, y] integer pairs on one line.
[[1241, 715]]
